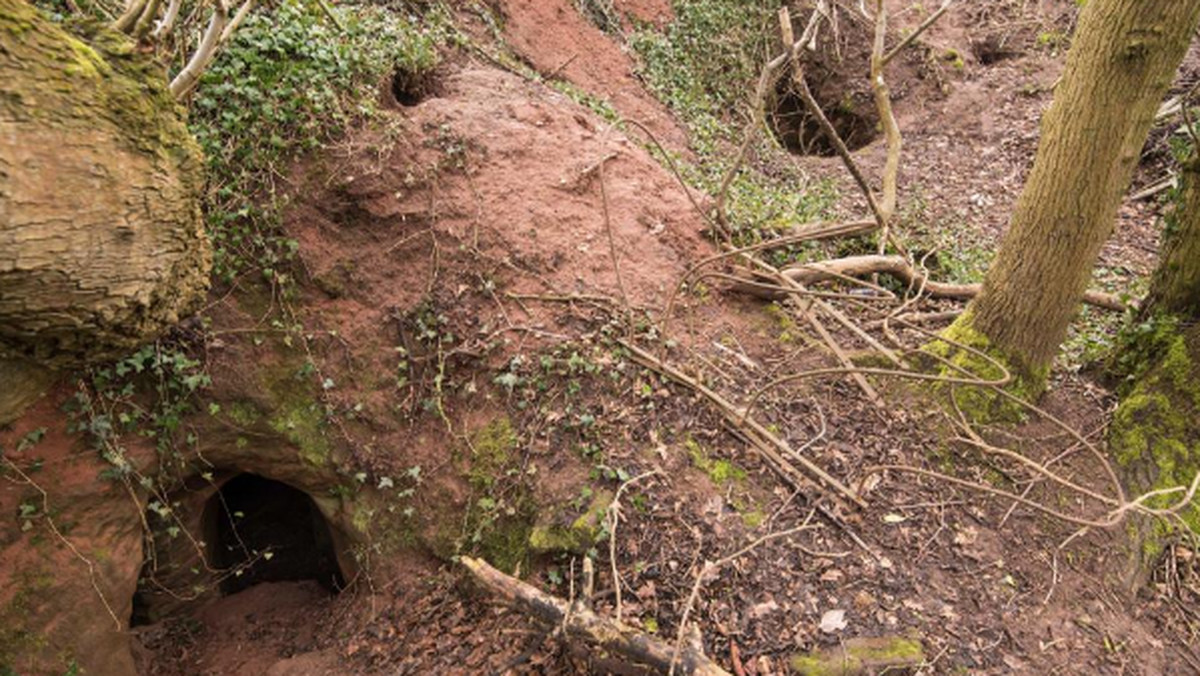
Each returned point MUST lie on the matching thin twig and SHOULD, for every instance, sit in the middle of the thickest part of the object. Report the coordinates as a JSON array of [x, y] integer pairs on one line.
[[917, 33], [613, 516]]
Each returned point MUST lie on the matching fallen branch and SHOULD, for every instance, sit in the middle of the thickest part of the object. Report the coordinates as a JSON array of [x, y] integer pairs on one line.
[[898, 267], [577, 620]]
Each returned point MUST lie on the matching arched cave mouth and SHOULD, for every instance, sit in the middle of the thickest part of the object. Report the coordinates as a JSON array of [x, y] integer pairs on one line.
[[408, 88], [262, 530], [800, 132]]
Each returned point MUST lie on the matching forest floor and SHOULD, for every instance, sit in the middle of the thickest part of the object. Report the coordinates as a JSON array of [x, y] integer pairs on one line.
[[986, 586]]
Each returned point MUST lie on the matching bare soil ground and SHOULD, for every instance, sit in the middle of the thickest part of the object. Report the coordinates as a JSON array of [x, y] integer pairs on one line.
[[985, 588]]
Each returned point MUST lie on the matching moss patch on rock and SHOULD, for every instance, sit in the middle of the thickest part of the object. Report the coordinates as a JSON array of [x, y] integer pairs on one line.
[[492, 448], [499, 520], [297, 413], [549, 536], [17, 638]]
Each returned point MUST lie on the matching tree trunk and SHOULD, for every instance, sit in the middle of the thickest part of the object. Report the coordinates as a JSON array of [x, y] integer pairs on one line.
[[102, 242], [1155, 432], [1175, 287], [1120, 66]]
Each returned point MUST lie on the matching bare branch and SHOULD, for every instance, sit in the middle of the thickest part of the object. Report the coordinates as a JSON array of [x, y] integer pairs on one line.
[[917, 33], [236, 20], [187, 78], [145, 22], [168, 21], [901, 269], [128, 19]]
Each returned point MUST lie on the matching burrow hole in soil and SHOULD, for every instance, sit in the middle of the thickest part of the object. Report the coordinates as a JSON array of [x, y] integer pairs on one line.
[[800, 132], [271, 532], [992, 49], [409, 89]]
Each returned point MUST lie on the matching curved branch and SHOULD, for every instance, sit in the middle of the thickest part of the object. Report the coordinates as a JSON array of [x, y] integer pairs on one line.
[[187, 78]]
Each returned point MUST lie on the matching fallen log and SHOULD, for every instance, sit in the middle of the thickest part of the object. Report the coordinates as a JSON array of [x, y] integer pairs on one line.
[[579, 621], [894, 266]]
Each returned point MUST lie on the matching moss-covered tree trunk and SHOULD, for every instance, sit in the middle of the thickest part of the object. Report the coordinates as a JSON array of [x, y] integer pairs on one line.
[[1175, 287], [102, 243], [1120, 65], [1155, 433]]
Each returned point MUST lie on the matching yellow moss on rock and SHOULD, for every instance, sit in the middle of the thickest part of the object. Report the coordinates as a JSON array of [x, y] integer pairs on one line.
[[548, 536]]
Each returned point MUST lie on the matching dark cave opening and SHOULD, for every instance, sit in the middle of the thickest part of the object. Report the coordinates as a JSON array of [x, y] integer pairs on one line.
[[409, 89], [801, 133], [263, 530]]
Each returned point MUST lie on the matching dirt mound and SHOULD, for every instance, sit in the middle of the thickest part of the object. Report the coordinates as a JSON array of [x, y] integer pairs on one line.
[[583, 54], [266, 629], [495, 182]]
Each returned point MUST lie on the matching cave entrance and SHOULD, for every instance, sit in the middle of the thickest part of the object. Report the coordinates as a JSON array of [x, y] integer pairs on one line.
[[801, 133], [268, 531]]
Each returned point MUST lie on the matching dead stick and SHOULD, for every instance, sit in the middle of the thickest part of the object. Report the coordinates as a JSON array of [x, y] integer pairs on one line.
[[581, 622], [898, 267], [916, 33]]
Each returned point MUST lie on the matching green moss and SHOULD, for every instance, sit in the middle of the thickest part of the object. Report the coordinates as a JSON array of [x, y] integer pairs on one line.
[[296, 413], [784, 322], [17, 639], [492, 447], [982, 404], [500, 520], [1155, 437], [85, 62], [243, 413], [719, 470], [548, 536], [505, 544], [861, 656], [385, 531], [753, 518]]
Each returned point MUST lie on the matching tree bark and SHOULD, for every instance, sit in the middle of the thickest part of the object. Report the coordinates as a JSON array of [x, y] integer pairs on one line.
[[1154, 435], [1175, 286], [102, 242], [1120, 66]]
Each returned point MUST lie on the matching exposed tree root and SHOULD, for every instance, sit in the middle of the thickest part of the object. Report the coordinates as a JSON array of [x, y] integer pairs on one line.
[[895, 266]]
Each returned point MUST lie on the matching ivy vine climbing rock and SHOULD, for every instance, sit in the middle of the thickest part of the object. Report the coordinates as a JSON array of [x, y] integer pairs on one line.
[[102, 243]]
